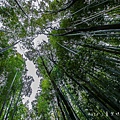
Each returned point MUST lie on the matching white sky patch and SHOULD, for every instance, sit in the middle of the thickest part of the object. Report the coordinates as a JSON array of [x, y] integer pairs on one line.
[[39, 39], [1, 24], [36, 4], [56, 23], [35, 85], [32, 70], [19, 49]]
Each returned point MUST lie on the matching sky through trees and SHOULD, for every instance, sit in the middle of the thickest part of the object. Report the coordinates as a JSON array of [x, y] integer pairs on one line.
[[79, 64]]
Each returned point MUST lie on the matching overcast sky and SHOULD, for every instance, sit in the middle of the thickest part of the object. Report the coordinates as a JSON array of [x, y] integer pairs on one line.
[[32, 70]]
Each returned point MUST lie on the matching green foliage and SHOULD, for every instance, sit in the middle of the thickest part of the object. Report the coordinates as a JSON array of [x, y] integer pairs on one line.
[[45, 85], [42, 106], [11, 67], [42, 71], [43, 101], [79, 64], [85, 67]]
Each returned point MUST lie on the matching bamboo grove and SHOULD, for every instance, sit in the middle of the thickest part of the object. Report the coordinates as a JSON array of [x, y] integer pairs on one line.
[[80, 63]]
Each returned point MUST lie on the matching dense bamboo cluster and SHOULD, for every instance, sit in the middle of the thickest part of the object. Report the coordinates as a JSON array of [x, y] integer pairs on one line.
[[81, 60], [80, 64]]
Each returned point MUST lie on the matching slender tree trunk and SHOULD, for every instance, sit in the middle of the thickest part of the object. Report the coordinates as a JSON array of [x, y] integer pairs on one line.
[[21, 8], [67, 48], [76, 102], [5, 100], [15, 106], [61, 108], [106, 49], [6, 116], [7, 48], [66, 102], [102, 98]]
